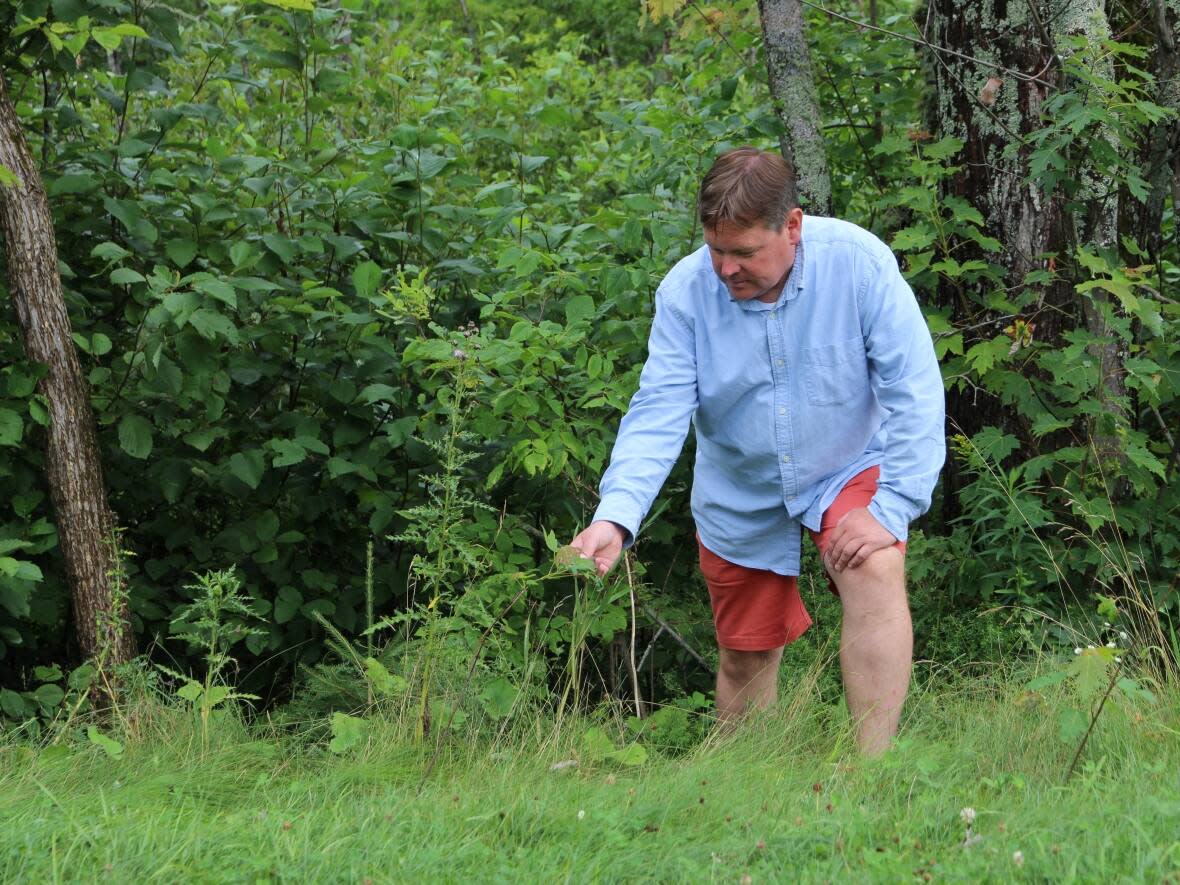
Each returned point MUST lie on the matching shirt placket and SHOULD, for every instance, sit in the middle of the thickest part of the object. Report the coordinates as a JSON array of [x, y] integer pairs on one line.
[[783, 413]]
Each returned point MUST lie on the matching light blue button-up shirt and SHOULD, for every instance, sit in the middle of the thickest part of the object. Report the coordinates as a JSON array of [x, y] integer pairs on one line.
[[790, 400]]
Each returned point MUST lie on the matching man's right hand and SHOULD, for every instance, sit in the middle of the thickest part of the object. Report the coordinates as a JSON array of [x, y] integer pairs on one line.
[[601, 541]]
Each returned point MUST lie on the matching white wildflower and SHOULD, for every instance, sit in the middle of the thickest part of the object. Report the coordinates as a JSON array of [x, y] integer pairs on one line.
[[1018, 858], [1077, 651], [581, 814], [1110, 645], [967, 815]]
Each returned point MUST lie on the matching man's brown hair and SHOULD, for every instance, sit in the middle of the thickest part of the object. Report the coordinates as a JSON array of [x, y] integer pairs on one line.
[[747, 186]]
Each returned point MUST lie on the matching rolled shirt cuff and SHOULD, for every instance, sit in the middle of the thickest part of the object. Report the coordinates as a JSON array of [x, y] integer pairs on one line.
[[893, 511], [623, 514]]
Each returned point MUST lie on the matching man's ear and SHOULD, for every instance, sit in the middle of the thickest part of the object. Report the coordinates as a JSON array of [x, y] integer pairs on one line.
[[794, 225]]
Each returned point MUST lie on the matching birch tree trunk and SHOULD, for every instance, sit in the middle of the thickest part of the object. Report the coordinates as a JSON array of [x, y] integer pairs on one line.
[[792, 86], [76, 488]]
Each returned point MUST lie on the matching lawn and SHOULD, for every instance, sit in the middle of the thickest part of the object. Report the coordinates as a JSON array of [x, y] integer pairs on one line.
[[784, 798]]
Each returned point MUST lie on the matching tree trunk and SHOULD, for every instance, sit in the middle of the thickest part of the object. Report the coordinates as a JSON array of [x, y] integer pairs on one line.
[[788, 63], [993, 112], [84, 521]]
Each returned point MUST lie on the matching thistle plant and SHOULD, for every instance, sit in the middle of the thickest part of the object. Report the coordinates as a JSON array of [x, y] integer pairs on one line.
[[218, 618]]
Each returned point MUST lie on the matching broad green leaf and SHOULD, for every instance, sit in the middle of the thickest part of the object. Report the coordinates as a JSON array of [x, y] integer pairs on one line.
[[111, 747], [135, 436], [248, 467], [631, 755], [11, 428], [384, 682], [212, 325], [287, 452], [190, 691], [49, 696], [287, 604], [579, 307], [293, 5], [13, 704], [498, 697], [181, 252], [223, 292], [347, 732], [282, 246], [365, 278], [215, 695]]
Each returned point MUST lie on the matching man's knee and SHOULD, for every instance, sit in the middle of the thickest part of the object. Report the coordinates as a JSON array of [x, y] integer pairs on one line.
[[746, 665], [881, 576]]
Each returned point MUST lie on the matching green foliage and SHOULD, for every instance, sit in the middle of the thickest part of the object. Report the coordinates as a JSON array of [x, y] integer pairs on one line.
[[339, 276]]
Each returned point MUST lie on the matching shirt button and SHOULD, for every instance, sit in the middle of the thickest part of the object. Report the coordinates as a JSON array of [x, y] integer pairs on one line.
[[782, 410], [778, 362], [786, 459]]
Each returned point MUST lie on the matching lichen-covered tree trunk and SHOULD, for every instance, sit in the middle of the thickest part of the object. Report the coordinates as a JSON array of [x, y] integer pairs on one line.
[[1162, 153], [792, 86], [994, 112], [74, 471]]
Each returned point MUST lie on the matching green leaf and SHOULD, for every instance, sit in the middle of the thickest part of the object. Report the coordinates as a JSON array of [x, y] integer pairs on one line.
[[347, 732], [215, 695], [1132, 689], [366, 278], [282, 246], [223, 292], [11, 428], [1054, 678], [498, 697], [248, 467], [287, 452], [13, 704], [135, 436], [384, 682], [8, 178], [181, 252], [111, 747], [293, 5], [211, 325], [596, 746], [49, 696], [190, 691], [287, 604], [100, 344], [630, 755], [579, 307]]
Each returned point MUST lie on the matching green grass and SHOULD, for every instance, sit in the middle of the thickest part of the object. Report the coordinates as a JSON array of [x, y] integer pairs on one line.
[[782, 799]]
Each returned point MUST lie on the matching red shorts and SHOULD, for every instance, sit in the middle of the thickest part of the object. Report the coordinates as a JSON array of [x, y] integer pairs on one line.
[[759, 610]]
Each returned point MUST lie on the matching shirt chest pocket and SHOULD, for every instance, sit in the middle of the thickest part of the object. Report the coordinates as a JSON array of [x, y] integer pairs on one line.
[[836, 374]]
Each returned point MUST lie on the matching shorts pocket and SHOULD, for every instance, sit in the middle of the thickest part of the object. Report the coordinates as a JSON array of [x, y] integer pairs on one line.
[[836, 373]]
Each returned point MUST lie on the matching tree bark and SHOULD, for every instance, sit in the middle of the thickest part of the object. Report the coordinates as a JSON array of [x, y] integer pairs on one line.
[[792, 87], [74, 471], [993, 113]]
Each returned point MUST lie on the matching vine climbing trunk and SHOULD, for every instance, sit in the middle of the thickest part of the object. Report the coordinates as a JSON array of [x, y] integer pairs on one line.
[[792, 86], [74, 471]]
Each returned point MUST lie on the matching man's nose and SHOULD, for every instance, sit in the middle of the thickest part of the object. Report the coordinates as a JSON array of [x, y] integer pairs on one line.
[[728, 267]]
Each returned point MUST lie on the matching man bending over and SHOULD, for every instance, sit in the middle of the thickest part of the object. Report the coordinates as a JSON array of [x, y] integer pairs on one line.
[[798, 351]]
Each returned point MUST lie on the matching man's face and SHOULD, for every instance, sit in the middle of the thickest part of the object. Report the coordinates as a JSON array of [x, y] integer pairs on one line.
[[754, 262]]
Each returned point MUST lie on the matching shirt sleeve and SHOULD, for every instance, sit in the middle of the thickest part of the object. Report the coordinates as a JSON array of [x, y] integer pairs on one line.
[[904, 374], [652, 432]]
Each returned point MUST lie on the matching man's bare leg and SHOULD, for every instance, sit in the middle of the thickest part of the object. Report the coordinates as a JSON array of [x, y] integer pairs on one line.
[[876, 646], [746, 680]]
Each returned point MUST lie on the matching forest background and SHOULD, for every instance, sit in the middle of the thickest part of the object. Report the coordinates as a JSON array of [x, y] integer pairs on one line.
[[360, 290]]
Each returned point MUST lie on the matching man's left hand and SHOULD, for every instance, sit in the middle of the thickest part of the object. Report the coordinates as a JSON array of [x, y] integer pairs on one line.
[[856, 537]]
